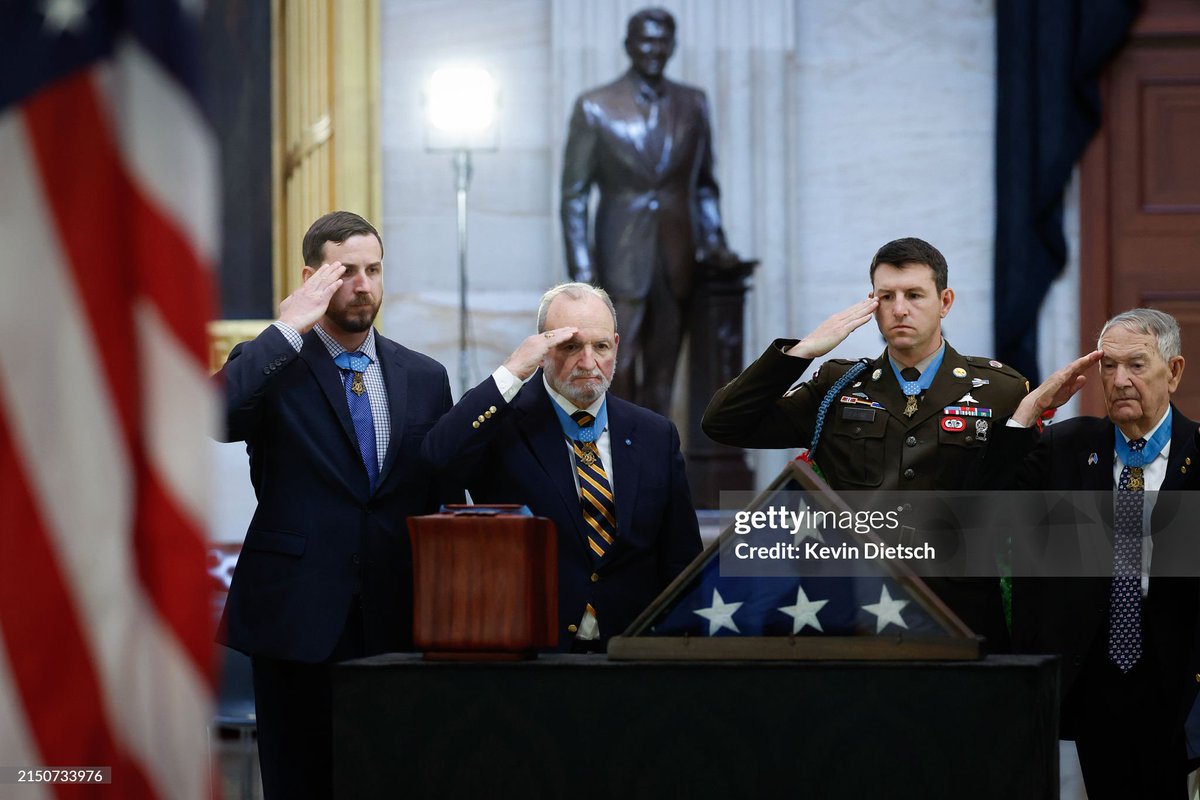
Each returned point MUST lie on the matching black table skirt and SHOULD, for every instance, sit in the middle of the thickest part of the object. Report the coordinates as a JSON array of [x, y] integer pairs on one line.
[[586, 727]]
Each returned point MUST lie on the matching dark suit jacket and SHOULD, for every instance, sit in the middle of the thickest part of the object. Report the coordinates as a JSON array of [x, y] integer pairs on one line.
[[647, 206], [318, 534], [518, 454], [1069, 616]]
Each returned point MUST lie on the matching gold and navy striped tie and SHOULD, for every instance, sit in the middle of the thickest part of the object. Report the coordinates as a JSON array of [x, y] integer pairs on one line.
[[595, 493]]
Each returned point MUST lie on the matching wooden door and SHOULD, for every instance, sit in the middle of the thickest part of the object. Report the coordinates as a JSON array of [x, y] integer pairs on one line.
[[1140, 188]]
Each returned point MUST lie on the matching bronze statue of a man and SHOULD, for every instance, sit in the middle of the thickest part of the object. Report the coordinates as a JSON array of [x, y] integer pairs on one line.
[[644, 142]]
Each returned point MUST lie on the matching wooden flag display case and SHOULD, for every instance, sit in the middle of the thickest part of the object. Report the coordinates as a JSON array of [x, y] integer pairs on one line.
[[886, 613]]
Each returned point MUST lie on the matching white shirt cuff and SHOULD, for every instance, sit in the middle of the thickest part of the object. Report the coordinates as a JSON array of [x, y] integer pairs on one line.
[[507, 383]]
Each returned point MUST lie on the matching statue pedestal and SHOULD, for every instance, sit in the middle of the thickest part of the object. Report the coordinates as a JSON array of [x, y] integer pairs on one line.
[[716, 334]]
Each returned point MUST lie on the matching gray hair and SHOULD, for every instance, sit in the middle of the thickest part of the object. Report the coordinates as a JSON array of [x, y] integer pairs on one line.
[[575, 291], [1159, 324]]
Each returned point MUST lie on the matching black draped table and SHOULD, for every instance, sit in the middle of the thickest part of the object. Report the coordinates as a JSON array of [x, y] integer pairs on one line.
[[586, 727]]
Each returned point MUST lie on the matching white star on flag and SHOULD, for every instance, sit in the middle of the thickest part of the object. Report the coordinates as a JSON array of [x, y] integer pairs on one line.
[[886, 610], [804, 612], [64, 15], [807, 533], [719, 614]]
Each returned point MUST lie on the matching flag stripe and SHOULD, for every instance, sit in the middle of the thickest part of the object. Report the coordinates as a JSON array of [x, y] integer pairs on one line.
[[61, 695], [16, 740], [151, 104], [179, 409], [125, 232]]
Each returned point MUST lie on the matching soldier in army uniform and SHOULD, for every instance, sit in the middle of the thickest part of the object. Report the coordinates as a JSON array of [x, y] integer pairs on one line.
[[916, 417]]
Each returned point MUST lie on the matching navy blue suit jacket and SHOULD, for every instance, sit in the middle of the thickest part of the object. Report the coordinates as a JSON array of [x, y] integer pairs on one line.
[[518, 454], [319, 534]]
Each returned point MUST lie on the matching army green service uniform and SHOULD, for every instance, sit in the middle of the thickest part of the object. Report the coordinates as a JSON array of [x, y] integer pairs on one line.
[[866, 441]]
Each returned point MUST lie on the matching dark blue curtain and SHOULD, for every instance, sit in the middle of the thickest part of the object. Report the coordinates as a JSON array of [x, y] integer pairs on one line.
[[1049, 56]]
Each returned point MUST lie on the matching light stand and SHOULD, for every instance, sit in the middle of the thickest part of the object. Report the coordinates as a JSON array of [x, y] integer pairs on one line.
[[461, 105], [462, 182]]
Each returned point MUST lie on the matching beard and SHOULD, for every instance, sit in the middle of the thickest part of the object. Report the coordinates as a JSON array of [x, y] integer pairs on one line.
[[583, 395], [354, 317]]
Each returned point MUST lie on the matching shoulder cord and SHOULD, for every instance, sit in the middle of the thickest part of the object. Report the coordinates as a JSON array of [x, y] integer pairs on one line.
[[833, 392]]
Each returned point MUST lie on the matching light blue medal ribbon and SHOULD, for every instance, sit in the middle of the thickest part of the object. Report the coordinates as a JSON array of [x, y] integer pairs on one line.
[[913, 388], [353, 361], [1154, 445], [582, 433]]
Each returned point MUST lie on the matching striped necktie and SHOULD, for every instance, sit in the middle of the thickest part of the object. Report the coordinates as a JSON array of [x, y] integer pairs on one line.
[[595, 492]]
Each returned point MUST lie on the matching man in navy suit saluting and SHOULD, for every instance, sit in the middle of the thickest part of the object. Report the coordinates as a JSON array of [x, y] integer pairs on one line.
[[333, 415], [543, 431]]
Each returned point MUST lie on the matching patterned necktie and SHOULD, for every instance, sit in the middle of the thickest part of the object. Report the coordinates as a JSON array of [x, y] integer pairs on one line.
[[911, 389], [353, 365], [1125, 598], [595, 493]]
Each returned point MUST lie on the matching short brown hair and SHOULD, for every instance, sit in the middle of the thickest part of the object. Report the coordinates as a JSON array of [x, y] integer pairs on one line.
[[336, 227], [902, 252]]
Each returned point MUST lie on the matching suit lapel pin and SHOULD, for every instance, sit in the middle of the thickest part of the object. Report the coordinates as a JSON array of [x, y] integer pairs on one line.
[[875, 375], [629, 441], [1093, 459], [959, 372]]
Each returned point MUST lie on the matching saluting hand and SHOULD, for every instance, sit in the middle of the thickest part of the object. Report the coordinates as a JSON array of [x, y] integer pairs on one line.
[[833, 331], [529, 356], [1056, 390], [303, 307]]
